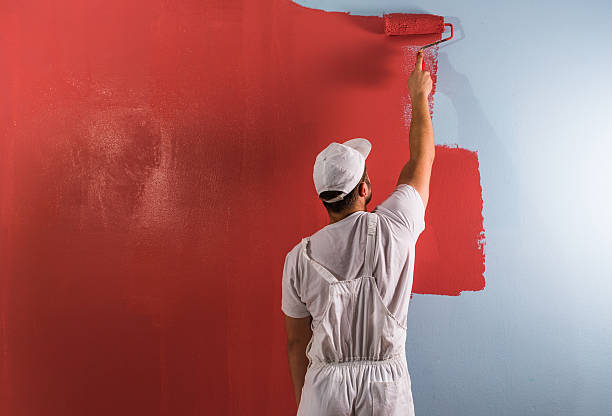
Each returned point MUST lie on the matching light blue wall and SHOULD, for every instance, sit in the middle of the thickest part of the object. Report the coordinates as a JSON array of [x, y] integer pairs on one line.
[[528, 85]]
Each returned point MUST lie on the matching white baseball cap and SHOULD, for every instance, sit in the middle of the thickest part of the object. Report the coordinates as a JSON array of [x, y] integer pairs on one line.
[[339, 167]]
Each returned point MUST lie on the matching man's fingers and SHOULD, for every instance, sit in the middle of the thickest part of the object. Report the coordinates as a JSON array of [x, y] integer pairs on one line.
[[419, 61]]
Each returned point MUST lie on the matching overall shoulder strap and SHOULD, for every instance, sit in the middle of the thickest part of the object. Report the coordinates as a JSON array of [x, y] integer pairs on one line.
[[327, 275], [370, 250]]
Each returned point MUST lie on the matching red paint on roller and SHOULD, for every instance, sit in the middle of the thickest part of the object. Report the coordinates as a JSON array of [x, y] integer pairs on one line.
[[413, 24], [401, 24], [156, 166]]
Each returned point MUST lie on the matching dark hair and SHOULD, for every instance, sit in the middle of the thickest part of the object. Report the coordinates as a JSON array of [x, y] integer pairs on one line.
[[346, 202]]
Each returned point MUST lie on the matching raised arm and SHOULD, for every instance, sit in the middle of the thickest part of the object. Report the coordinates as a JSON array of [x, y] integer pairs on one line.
[[417, 171]]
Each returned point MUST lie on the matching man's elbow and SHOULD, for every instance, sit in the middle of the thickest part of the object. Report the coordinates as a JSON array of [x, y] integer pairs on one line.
[[298, 331], [298, 340]]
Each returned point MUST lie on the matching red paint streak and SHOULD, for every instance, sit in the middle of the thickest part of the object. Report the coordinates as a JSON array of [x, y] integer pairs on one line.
[[158, 167]]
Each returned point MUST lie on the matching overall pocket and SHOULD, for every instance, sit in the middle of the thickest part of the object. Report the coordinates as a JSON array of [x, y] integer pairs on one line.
[[392, 398]]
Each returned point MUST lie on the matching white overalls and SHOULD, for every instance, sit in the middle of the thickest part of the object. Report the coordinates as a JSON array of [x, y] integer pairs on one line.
[[357, 362]]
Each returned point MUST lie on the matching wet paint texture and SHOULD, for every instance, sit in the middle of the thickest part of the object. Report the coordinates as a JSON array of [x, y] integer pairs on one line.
[[156, 168]]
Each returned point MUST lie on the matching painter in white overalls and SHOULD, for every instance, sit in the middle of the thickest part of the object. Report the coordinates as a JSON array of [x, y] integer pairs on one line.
[[357, 362]]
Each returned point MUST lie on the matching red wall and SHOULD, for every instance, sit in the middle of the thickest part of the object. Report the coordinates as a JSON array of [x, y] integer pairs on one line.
[[156, 167]]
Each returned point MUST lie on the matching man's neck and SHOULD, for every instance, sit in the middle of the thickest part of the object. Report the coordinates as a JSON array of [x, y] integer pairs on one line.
[[338, 217]]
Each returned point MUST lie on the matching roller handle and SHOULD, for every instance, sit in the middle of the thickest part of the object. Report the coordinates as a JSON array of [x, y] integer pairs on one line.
[[437, 42]]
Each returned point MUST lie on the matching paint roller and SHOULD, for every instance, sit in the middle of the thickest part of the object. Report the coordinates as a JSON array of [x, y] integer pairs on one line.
[[402, 24]]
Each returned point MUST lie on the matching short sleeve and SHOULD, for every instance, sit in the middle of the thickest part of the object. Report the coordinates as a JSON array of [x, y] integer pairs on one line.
[[292, 304], [405, 208]]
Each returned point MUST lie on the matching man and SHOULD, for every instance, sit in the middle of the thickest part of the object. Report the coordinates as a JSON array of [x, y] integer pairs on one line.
[[346, 288]]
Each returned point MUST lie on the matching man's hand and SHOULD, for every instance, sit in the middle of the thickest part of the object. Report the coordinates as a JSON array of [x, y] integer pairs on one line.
[[419, 83]]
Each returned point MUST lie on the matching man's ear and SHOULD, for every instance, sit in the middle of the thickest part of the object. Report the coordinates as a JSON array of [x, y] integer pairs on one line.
[[363, 189]]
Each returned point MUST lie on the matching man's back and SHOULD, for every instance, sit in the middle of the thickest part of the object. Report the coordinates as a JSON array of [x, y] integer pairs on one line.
[[340, 248]]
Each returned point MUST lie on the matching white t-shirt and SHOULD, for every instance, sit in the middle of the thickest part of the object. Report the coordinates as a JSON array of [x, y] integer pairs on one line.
[[340, 247]]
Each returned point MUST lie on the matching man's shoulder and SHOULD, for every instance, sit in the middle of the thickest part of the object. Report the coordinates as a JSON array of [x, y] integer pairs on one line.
[[292, 255]]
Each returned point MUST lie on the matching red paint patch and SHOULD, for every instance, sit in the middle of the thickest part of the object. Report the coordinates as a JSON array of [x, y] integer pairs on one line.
[[158, 167], [450, 255]]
